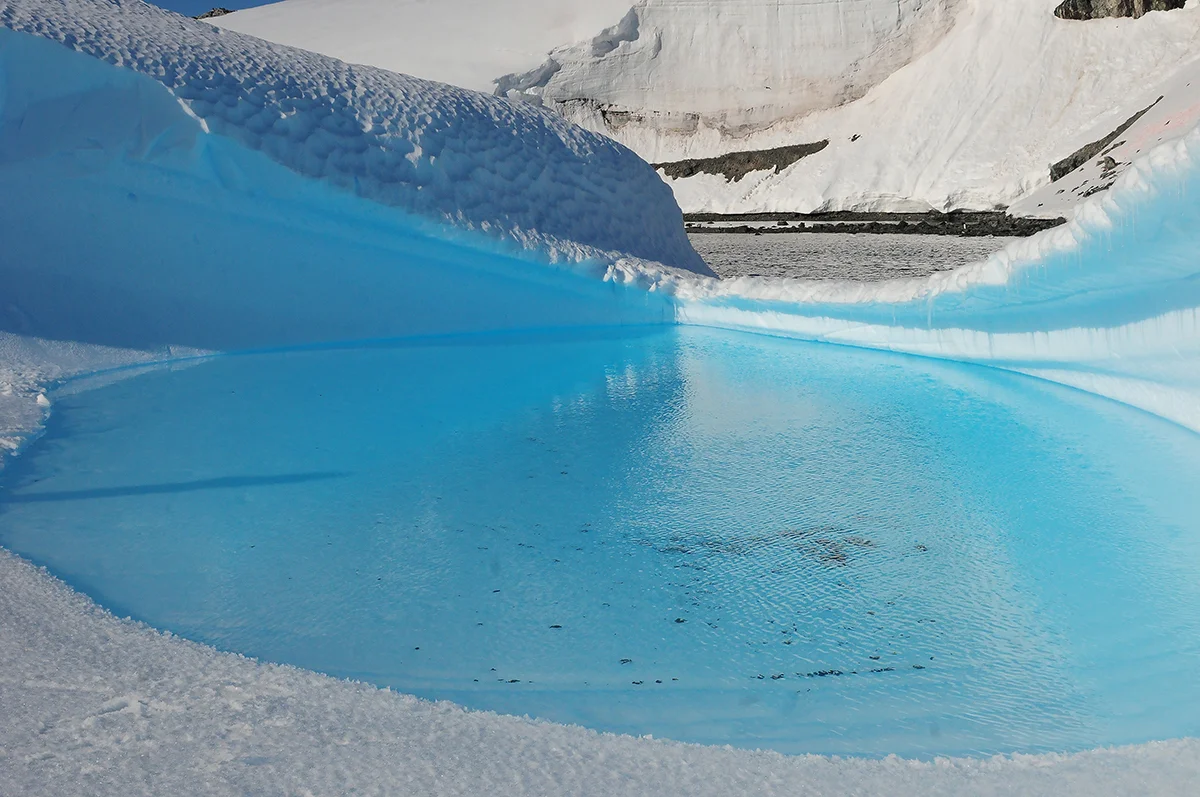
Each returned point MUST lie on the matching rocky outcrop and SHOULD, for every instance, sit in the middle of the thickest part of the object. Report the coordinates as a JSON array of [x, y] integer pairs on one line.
[[963, 223], [736, 165], [1095, 9], [213, 12], [1087, 152]]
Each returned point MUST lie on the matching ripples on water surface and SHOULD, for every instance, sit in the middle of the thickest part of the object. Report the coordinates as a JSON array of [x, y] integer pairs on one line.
[[828, 256], [702, 535]]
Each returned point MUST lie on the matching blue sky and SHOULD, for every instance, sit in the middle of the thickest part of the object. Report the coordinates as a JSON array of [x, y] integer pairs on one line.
[[193, 7]]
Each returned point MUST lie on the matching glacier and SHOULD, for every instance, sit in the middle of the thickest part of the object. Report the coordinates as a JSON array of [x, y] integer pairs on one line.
[[150, 214]]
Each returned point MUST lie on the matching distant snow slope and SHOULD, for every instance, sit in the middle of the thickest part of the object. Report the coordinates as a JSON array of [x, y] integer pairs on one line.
[[974, 123], [468, 43], [734, 65], [925, 103], [443, 153], [1159, 113]]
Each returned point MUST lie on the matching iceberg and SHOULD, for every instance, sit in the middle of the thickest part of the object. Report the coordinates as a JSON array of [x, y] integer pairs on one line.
[[169, 190]]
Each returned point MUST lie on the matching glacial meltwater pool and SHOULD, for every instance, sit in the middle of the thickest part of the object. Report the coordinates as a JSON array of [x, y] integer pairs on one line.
[[702, 535]]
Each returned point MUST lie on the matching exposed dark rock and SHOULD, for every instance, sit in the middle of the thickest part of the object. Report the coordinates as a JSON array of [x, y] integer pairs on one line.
[[967, 223], [214, 12], [736, 165], [1097, 9], [1089, 151]]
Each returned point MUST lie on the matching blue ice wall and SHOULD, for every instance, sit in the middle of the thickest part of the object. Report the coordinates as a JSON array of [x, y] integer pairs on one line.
[[1109, 303], [124, 222]]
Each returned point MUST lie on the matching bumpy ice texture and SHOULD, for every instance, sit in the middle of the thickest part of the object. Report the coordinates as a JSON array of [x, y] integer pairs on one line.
[[431, 149]]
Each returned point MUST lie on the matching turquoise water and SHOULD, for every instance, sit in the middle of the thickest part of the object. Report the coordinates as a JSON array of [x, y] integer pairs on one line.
[[696, 534]]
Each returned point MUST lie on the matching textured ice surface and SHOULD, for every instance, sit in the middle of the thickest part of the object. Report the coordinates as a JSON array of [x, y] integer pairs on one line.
[[441, 152], [126, 225]]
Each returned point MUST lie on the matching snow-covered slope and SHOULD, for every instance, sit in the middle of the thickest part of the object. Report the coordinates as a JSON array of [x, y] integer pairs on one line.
[[974, 123], [731, 65], [467, 43], [1158, 114], [924, 103]]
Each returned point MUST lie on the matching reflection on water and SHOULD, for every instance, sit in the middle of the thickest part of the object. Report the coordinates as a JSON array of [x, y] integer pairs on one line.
[[691, 533]]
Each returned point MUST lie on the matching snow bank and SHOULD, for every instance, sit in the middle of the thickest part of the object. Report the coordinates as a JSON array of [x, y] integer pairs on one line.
[[127, 223], [433, 150]]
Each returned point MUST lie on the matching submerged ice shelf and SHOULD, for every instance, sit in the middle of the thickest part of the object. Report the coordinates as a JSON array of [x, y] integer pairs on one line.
[[697, 534]]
